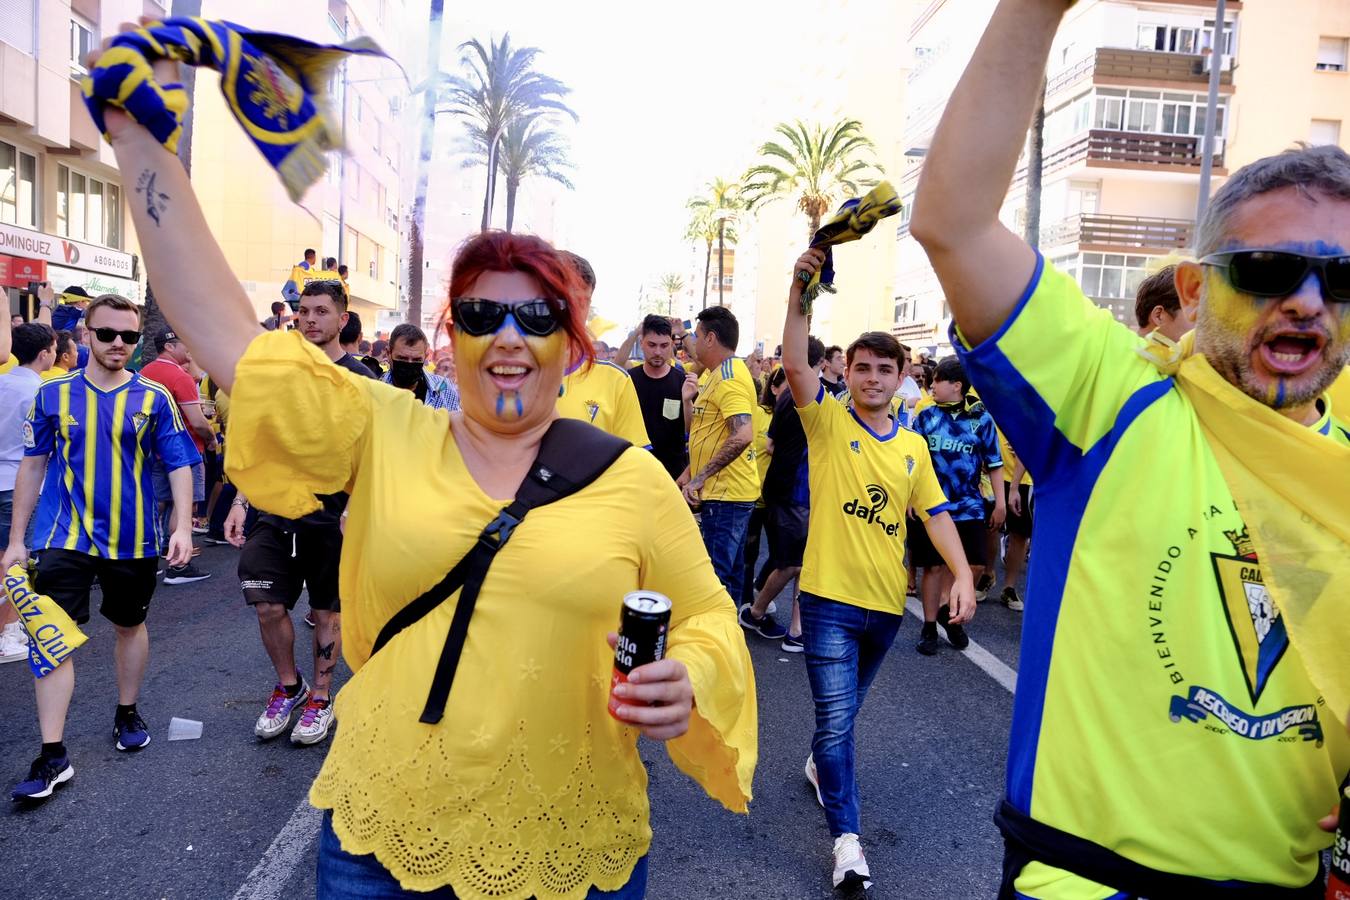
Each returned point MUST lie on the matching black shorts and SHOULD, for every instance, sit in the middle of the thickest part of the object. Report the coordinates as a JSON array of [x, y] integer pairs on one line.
[[127, 584], [1019, 525], [786, 524], [923, 555], [276, 565]]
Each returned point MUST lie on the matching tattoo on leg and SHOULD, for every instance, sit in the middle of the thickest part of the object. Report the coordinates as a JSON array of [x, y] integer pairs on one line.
[[326, 651], [326, 671]]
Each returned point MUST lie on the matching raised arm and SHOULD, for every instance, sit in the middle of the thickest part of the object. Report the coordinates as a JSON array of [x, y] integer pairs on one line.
[[193, 284], [801, 376], [984, 267]]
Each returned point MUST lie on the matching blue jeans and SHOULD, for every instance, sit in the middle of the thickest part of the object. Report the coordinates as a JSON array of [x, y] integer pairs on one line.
[[724, 524], [344, 876], [845, 645], [6, 516]]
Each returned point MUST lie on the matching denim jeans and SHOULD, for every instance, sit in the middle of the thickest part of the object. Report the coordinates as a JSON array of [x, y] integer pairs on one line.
[[344, 876], [845, 645], [6, 516], [724, 524]]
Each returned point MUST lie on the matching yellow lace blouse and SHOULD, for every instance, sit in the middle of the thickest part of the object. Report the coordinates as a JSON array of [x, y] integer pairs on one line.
[[527, 787]]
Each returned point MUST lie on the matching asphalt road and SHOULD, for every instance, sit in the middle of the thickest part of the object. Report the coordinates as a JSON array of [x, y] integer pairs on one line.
[[192, 819]]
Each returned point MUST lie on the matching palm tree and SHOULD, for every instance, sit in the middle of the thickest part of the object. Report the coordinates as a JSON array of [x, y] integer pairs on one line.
[[672, 284], [529, 147], [426, 146], [1035, 173], [722, 201], [501, 86], [703, 227], [814, 165]]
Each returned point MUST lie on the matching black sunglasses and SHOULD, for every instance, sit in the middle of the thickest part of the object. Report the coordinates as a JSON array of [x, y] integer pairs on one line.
[[108, 335], [479, 317], [1278, 273]]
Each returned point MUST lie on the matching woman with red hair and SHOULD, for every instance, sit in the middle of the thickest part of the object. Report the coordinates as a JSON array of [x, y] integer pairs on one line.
[[526, 786]]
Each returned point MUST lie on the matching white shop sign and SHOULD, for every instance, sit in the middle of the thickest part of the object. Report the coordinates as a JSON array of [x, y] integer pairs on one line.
[[22, 242]]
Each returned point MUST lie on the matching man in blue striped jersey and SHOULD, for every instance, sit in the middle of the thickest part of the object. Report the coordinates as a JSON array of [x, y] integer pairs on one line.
[[101, 427]]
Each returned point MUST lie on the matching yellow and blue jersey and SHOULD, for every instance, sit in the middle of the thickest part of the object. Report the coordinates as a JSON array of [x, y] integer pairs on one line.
[[603, 395], [98, 496], [1161, 712], [963, 444], [862, 486]]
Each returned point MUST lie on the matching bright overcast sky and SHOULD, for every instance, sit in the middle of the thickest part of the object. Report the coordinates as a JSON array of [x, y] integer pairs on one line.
[[669, 95]]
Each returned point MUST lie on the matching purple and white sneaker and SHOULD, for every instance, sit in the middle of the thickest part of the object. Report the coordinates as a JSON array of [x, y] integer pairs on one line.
[[315, 721], [276, 718]]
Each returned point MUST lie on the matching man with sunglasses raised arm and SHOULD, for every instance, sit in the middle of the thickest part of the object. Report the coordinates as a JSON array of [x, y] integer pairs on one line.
[[1167, 739], [103, 427]]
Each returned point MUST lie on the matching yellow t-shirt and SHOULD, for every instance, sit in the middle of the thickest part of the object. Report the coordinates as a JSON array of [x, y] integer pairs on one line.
[[1339, 392], [527, 787], [9, 363], [925, 400], [1010, 459], [862, 485], [723, 392], [603, 394], [759, 421], [53, 372]]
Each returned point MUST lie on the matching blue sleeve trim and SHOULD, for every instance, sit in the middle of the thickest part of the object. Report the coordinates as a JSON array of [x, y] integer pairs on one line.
[[941, 508], [959, 343]]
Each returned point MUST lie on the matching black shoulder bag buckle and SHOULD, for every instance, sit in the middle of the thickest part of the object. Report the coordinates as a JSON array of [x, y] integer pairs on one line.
[[572, 455]]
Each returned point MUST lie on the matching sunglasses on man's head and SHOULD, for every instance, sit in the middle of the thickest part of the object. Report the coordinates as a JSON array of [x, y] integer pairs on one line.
[[1279, 273], [479, 317], [108, 335]]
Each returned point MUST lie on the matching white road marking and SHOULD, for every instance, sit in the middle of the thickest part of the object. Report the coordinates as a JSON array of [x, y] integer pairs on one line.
[[994, 667], [288, 850]]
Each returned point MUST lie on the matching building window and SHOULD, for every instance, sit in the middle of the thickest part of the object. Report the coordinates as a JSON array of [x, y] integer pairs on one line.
[[1149, 111], [82, 43], [1325, 132], [1207, 37], [18, 25], [1169, 39], [88, 209], [1112, 275], [18, 186], [1331, 54]]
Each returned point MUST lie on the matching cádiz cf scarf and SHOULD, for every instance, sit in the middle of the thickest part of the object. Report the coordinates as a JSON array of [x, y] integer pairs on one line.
[[854, 219], [276, 86], [52, 634], [1292, 486]]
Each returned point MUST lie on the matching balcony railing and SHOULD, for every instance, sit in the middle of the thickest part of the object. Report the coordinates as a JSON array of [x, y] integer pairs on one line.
[[1143, 67], [1125, 232]]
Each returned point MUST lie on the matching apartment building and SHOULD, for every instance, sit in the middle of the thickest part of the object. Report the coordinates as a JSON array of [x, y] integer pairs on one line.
[[63, 213], [1126, 96]]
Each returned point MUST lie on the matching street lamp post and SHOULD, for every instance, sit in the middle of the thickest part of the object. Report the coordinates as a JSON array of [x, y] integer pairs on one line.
[[1216, 54]]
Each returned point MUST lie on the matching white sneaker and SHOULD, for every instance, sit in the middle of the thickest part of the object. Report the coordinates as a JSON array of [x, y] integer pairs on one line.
[[814, 779], [13, 643], [316, 718], [850, 866]]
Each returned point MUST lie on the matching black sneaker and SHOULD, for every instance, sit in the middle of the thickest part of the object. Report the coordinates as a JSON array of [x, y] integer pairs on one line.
[[956, 634], [1011, 599], [928, 640], [765, 627], [793, 644], [43, 777], [983, 586], [185, 574], [130, 732]]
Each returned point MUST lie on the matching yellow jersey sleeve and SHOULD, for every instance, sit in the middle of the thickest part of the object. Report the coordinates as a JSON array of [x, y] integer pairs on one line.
[[734, 396], [1010, 459], [296, 424], [628, 422], [721, 747], [1058, 372], [926, 497]]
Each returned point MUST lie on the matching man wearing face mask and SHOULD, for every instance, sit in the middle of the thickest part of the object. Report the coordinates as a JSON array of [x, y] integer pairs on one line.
[[408, 348]]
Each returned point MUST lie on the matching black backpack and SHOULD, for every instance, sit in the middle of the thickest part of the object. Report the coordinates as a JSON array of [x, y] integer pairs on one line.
[[571, 456]]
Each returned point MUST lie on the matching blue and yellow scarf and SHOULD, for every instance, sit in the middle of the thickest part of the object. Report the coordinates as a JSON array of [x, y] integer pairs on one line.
[[855, 218], [276, 86]]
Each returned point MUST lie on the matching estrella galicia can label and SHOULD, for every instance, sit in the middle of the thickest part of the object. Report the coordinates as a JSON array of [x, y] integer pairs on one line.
[[644, 622], [1338, 881]]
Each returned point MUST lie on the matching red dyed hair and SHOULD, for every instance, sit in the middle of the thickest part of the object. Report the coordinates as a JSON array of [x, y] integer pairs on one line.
[[500, 251]]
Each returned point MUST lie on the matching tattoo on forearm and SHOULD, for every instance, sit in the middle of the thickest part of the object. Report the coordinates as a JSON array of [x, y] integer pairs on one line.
[[730, 449], [156, 201], [326, 651]]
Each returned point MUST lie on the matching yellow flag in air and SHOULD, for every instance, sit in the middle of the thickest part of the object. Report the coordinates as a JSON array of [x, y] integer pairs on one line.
[[1292, 486], [52, 634]]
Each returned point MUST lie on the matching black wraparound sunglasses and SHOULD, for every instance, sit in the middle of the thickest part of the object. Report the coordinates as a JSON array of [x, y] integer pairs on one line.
[[108, 335], [1278, 273], [478, 317]]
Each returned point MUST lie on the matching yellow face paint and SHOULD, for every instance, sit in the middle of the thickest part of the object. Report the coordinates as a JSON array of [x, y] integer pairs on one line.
[[533, 398]]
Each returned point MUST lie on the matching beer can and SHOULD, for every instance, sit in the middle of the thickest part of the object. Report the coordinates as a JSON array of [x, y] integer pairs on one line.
[[644, 620], [1338, 881]]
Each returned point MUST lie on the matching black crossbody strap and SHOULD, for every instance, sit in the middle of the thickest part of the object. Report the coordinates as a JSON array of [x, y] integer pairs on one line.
[[571, 456]]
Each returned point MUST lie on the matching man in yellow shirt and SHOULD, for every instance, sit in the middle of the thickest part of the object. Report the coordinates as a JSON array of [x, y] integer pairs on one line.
[[866, 473], [721, 476], [601, 393]]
